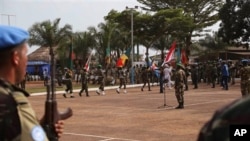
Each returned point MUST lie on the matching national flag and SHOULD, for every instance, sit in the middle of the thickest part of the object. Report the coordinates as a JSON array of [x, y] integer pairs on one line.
[[170, 54], [107, 58], [184, 59], [178, 55], [71, 57], [127, 53], [86, 66], [121, 61]]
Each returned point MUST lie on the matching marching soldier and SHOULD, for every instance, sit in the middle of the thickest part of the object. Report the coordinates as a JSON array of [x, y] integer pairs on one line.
[[84, 82], [179, 85], [122, 76], [68, 82], [145, 77], [100, 76]]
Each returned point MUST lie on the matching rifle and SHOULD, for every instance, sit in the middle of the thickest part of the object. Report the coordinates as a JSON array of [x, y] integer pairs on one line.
[[51, 112]]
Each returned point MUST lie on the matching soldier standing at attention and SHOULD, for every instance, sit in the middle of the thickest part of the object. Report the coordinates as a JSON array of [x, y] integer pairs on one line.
[[244, 78], [18, 121], [122, 77], [179, 85], [69, 86], [84, 80], [100, 75]]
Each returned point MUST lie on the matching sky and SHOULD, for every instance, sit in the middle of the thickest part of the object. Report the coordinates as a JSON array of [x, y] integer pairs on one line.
[[81, 14]]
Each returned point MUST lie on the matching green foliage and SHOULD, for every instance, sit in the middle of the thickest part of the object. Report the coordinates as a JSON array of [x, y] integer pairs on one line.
[[235, 17]]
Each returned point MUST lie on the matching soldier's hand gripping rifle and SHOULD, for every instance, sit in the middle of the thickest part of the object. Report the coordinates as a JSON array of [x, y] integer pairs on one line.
[[52, 116]]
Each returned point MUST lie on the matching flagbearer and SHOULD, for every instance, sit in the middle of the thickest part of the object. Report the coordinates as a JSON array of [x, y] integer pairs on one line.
[[84, 80], [122, 76]]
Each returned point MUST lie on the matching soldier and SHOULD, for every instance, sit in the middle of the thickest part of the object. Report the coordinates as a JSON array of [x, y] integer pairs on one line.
[[232, 72], [122, 77], [218, 127], [179, 85], [145, 75], [68, 82], [18, 120], [84, 82], [100, 76], [244, 78], [225, 75], [213, 75], [194, 75]]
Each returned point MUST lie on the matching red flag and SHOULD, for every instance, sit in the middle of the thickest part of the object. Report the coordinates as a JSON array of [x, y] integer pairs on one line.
[[86, 66], [183, 57], [119, 63], [170, 54]]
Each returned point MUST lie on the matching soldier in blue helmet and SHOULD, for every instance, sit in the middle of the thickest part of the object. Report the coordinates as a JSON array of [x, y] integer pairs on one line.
[[17, 118]]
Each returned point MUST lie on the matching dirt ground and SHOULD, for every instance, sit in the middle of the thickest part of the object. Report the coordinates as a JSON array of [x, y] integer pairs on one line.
[[137, 115]]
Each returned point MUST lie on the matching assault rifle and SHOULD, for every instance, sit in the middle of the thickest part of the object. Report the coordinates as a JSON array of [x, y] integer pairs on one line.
[[51, 112]]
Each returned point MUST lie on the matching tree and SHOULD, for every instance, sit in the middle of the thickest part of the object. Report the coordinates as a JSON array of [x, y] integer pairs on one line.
[[149, 27], [203, 13], [235, 18], [48, 34]]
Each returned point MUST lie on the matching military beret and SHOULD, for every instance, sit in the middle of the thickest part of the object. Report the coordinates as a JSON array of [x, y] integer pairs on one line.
[[12, 36]]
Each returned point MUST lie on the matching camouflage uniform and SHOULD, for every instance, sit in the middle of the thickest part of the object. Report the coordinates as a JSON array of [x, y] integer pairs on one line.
[[213, 75], [68, 82], [84, 82], [100, 75], [244, 82], [17, 118], [217, 129], [145, 78], [179, 84], [122, 77]]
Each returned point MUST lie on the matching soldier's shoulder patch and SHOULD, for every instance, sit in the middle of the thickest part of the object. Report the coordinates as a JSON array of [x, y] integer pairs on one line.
[[37, 133]]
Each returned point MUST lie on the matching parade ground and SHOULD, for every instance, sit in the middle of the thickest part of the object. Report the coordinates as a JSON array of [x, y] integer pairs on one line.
[[138, 115]]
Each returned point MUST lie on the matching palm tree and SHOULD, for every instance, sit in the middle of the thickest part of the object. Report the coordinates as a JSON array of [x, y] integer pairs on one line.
[[48, 34]]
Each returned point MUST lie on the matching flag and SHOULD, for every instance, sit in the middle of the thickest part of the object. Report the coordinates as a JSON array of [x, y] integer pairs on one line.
[[121, 62], [71, 57], [127, 53], [107, 58], [170, 54], [86, 66], [178, 55], [184, 59]]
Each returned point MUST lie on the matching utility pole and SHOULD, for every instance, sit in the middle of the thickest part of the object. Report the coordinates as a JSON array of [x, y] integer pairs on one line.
[[8, 16]]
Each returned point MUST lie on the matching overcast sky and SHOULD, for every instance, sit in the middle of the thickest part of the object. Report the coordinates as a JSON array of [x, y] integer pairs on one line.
[[79, 13]]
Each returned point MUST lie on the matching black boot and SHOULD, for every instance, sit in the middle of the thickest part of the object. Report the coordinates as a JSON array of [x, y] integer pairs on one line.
[[180, 106]]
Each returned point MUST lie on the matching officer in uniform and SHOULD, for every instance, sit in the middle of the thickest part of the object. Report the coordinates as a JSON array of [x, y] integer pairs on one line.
[[244, 78], [179, 85], [17, 119], [84, 80]]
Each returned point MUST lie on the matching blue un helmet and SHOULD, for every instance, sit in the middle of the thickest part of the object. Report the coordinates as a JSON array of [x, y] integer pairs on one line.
[[11, 37]]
